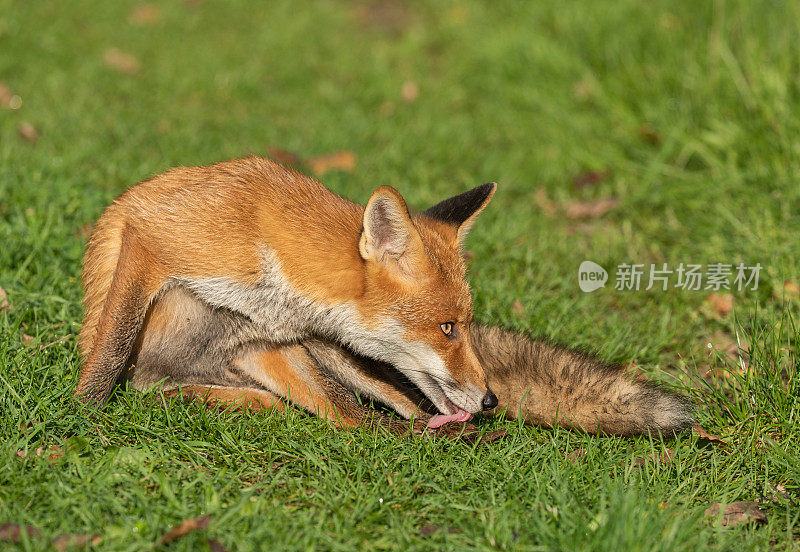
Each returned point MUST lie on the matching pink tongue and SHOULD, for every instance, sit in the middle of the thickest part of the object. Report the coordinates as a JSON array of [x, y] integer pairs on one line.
[[440, 419]]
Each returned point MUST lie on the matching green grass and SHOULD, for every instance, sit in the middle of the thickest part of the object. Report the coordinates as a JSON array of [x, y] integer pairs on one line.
[[694, 107]]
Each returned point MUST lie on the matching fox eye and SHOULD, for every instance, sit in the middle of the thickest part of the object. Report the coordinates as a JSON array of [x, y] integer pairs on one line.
[[448, 329]]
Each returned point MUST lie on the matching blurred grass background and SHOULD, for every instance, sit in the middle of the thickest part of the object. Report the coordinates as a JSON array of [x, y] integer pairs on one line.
[[685, 114]]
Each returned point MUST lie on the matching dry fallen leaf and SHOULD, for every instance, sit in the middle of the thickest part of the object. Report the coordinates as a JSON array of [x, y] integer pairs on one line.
[[721, 303], [428, 529], [337, 161], [144, 14], [215, 546], [284, 157], [392, 16], [185, 527], [28, 132], [122, 61], [789, 291], [650, 135], [737, 512], [576, 455], [53, 452], [584, 89], [5, 95], [8, 99], [544, 203], [386, 108], [409, 91], [590, 209], [590, 178], [665, 457], [491, 436], [27, 340], [12, 532], [703, 434], [3, 300], [776, 494], [518, 307], [68, 542]]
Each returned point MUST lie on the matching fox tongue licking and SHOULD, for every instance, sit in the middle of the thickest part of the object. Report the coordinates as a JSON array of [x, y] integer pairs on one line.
[[440, 419]]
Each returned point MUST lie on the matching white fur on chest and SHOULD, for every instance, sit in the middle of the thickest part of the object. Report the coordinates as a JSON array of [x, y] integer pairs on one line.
[[280, 312]]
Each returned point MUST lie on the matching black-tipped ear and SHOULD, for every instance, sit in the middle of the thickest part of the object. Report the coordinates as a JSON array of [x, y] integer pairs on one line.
[[389, 236], [460, 211]]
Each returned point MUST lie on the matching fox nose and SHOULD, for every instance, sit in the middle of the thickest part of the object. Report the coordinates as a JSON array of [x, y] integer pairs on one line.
[[489, 401]]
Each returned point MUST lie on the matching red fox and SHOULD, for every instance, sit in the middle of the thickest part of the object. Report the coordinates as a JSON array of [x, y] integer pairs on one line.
[[247, 282]]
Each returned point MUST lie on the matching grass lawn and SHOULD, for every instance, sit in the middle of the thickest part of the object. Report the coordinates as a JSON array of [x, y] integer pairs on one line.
[[679, 120]]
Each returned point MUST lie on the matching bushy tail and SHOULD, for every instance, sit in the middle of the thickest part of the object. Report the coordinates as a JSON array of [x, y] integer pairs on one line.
[[99, 264], [548, 385]]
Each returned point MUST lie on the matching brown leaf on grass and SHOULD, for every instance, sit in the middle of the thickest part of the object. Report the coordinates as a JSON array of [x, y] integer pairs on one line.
[[28, 340], [28, 132], [650, 135], [790, 291], [53, 452], [185, 527], [68, 542], [4, 300], [776, 494], [8, 99], [284, 157], [721, 303], [215, 546], [144, 15], [590, 209], [428, 529], [737, 513], [337, 161], [590, 178], [13, 532], [703, 434], [517, 307], [5, 95], [491, 436], [121, 61], [544, 203], [668, 456], [584, 89], [409, 92], [392, 16], [387, 108], [576, 456]]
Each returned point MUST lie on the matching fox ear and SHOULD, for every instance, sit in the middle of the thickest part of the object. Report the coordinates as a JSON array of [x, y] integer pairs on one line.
[[460, 211], [389, 236]]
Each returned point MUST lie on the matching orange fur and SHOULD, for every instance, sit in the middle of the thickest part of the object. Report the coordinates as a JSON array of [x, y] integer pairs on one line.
[[211, 229]]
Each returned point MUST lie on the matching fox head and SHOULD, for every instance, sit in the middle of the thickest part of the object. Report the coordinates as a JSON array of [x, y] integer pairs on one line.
[[416, 292]]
